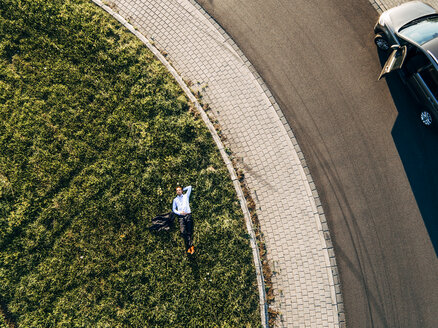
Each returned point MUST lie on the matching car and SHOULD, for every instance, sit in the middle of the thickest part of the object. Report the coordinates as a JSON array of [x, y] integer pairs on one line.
[[409, 35]]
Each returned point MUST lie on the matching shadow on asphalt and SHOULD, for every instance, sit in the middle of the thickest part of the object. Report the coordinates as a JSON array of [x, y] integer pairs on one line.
[[417, 146]]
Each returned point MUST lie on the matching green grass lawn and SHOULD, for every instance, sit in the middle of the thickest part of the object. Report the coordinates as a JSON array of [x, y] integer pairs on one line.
[[94, 137]]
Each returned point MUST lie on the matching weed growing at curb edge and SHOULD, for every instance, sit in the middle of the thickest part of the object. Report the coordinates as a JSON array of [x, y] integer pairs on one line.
[[267, 272]]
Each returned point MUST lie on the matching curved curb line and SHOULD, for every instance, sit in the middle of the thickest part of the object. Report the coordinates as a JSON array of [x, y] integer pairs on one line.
[[236, 183], [320, 219]]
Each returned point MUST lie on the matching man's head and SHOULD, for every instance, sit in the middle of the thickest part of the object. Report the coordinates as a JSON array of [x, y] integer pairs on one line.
[[179, 190]]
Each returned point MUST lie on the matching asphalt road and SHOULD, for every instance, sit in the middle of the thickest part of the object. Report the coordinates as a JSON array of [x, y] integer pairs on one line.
[[374, 165]]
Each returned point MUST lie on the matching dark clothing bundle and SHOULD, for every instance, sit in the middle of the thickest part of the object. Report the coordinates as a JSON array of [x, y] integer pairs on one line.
[[186, 228], [162, 222], [165, 222]]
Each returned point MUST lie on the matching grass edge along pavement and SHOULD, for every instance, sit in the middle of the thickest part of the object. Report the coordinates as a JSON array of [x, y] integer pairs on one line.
[[267, 274], [228, 163], [254, 307]]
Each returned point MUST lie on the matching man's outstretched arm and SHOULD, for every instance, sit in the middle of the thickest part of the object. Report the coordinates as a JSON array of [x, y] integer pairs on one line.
[[189, 190]]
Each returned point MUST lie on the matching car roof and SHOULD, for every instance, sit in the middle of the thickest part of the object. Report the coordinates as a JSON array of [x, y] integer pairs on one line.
[[432, 48]]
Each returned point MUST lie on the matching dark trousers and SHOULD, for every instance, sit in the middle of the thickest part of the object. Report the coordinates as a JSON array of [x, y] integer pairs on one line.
[[186, 228]]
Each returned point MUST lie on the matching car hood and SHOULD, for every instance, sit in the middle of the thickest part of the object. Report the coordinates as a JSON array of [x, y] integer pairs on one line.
[[407, 12]]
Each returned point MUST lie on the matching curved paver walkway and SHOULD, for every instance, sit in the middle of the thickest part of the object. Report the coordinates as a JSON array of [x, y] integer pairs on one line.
[[382, 5], [306, 286]]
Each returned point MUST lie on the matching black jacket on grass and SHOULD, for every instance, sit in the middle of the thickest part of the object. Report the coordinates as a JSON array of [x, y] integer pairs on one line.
[[165, 222], [162, 222]]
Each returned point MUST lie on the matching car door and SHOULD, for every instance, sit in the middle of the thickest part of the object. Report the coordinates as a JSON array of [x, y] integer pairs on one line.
[[426, 81], [395, 61]]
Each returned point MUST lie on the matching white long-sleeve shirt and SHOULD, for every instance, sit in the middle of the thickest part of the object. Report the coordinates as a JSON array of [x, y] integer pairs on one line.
[[181, 203]]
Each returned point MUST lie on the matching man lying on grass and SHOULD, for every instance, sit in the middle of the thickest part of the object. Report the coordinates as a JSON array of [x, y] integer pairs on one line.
[[181, 208]]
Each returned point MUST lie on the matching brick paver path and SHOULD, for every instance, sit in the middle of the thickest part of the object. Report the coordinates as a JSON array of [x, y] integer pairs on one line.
[[382, 5], [305, 281]]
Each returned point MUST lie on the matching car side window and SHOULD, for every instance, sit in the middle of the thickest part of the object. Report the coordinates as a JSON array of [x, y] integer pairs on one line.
[[429, 74], [416, 61]]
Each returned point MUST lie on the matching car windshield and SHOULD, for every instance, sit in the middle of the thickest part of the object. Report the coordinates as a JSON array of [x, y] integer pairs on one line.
[[421, 31]]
